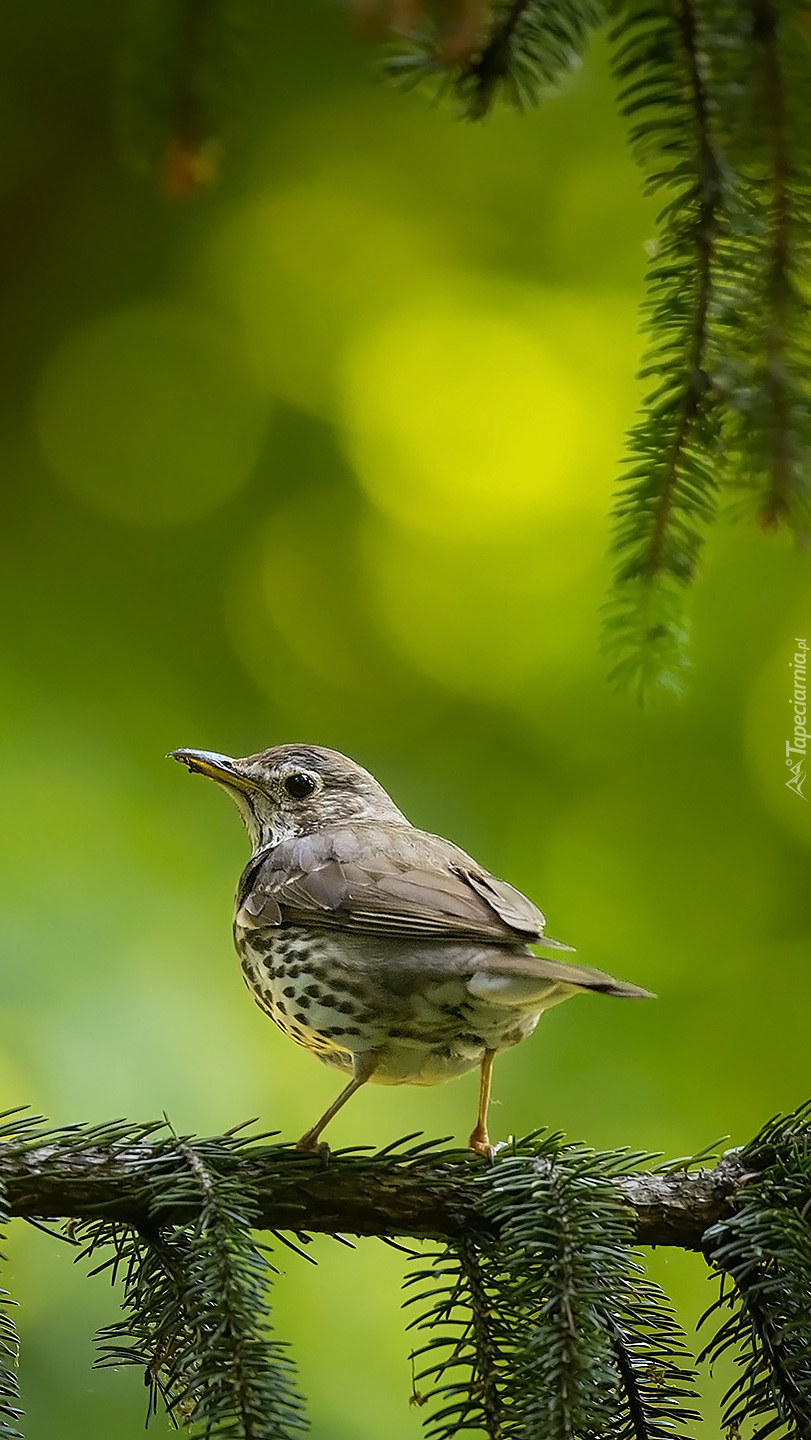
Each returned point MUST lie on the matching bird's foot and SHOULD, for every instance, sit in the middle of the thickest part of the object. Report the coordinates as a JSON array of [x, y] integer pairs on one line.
[[310, 1141], [480, 1143]]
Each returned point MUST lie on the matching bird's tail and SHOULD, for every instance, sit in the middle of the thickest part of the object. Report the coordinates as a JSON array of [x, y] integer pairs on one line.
[[605, 985], [527, 979], [587, 979]]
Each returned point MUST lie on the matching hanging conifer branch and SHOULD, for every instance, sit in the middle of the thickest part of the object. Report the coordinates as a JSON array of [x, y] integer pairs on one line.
[[769, 437], [465, 1360], [669, 491], [717, 94], [527, 47], [764, 1248], [196, 1317], [656, 1370], [10, 1411], [776, 503], [181, 71], [553, 1329], [486, 1368], [552, 1229], [17, 1130]]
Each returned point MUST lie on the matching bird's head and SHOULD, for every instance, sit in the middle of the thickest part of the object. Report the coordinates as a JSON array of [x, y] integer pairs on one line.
[[293, 790]]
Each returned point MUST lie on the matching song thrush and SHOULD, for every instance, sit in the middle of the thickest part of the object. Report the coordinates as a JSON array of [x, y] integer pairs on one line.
[[387, 952]]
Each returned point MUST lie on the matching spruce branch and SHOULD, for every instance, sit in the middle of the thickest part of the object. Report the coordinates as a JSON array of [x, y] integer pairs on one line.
[[528, 47], [764, 1248], [486, 1350], [550, 1330], [196, 1316], [668, 492], [656, 1371], [539, 1320], [125, 1173], [716, 93], [604, 1355], [465, 1361], [768, 437], [776, 503], [16, 1129], [10, 1411], [565, 1244], [180, 75]]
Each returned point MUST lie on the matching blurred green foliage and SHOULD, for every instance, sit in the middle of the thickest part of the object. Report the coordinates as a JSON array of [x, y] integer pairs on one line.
[[325, 453]]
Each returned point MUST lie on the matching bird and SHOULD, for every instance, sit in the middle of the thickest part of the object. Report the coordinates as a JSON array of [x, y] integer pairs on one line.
[[387, 952]]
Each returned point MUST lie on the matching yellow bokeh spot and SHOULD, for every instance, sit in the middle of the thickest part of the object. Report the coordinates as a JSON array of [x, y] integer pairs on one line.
[[301, 267], [485, 619], [148, 415], [474, 414]]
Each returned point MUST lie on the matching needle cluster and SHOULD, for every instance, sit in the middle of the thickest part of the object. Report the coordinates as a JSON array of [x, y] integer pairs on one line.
[[554, 1331]]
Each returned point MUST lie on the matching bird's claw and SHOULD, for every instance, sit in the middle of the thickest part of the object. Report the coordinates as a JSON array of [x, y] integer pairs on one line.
[[479, 1143], [314, 1146]]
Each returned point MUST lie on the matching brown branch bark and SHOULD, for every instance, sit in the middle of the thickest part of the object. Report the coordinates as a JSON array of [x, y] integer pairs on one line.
[[429, 1198]]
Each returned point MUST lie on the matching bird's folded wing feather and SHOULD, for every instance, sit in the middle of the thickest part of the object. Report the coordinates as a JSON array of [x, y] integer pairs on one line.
[[390, 880]]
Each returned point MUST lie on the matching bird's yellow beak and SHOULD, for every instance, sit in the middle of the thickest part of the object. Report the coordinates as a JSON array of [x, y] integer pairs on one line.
[[217, 767]]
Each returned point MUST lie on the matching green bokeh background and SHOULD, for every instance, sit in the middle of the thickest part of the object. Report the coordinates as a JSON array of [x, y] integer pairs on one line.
[[324, 453]]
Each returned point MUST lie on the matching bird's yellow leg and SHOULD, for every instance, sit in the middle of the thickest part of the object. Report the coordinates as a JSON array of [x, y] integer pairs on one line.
[[364, 1066], [480, 1140]]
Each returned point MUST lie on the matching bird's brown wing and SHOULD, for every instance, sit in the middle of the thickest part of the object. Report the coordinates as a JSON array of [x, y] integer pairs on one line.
[[394, 882], [389, 880]]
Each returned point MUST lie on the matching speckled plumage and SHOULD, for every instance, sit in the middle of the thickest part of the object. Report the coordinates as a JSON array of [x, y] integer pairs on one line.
[[336, 1000], [385, 951]]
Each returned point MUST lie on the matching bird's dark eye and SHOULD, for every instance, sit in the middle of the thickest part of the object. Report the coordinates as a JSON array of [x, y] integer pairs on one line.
[[299, 785]]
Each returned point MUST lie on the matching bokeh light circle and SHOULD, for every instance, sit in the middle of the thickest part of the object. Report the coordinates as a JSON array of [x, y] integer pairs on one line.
[[468, 414], [148, 415], [302, 266], [485, 619]]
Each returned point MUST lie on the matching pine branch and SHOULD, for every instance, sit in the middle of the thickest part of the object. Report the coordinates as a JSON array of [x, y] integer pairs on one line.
[[768, 436], [10, 1411], [764, 1247], [668, 494], [17, 1129], [466, 1365], [180, 77], [565, 1241], [124, 1174], [550, 1330], [196, 1316], [528, 48]]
